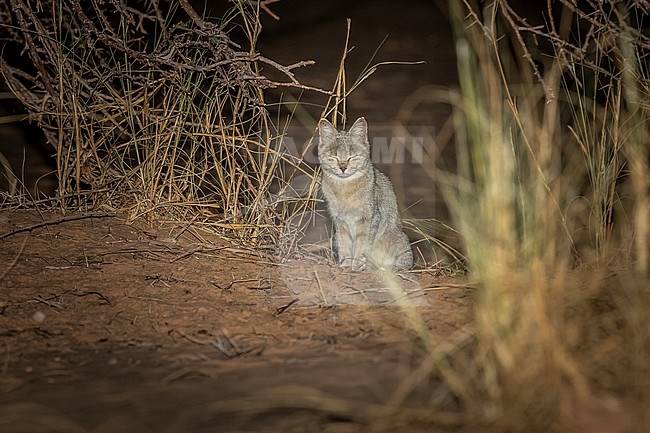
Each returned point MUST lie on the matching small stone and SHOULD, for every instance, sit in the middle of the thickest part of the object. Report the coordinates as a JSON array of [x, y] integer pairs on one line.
[[39, 317]]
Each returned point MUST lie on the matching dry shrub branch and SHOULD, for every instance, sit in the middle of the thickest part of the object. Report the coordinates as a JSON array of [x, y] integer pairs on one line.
[[155, 111]]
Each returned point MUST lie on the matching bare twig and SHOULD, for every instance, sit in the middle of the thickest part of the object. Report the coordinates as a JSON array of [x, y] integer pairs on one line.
[[15, 259], [192, 13], [264, 5], [57, 221], [284, 307]]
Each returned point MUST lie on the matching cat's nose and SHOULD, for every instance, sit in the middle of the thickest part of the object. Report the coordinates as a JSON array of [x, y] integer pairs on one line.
[[343, 168]]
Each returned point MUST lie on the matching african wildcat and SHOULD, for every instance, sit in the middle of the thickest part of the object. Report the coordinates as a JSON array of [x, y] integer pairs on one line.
[[361, 201]]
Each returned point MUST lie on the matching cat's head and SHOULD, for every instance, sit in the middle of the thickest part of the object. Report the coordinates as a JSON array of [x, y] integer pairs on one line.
[[344, 154]]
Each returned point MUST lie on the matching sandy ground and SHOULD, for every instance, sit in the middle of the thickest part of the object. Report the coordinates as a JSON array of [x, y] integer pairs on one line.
[[106, 326]]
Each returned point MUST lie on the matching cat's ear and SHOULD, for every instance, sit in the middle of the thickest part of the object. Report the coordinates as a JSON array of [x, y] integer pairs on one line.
[[359, 130], [326, 131]]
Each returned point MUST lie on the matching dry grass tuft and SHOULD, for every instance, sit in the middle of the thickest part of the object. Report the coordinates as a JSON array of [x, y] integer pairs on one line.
[[554, 218], [156, 112]]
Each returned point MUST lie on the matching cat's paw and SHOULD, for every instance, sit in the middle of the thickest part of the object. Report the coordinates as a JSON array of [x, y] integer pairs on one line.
[[358, 265], [354, 264], [345, 263]]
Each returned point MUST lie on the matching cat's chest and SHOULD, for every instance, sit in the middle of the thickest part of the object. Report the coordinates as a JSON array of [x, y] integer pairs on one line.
[[348, 196]]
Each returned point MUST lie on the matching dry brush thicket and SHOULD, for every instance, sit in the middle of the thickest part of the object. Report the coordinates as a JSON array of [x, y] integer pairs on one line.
[[155, 111]]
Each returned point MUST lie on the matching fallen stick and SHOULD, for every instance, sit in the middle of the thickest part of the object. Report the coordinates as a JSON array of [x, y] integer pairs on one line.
[[57, 221]]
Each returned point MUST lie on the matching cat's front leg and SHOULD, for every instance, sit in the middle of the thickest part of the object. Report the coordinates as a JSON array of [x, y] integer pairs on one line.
[[360, 245], [343, 243]]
